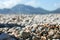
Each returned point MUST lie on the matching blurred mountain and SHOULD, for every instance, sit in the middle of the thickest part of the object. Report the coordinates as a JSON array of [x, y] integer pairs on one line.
[[28, 9], [20, 8], [6, 11], [25, 9], [56, 11]]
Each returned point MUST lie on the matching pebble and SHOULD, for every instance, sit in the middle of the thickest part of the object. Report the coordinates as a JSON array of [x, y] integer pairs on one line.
[[51, 32]]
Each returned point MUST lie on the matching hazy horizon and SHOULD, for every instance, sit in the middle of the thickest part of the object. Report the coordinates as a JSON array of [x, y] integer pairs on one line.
[[45, 4]]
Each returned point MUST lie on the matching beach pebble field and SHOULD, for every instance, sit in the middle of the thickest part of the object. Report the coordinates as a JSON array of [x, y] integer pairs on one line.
[[30, 27]]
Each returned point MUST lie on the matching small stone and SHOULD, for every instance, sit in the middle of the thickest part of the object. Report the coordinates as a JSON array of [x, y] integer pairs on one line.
[[43, 38], [25, 34], [51, 32]]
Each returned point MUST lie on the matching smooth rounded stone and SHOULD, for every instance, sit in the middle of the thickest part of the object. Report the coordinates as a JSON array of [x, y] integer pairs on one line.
[[21, 33], [27, 39], [51, 32], [34, 25], [53, 23], [57, 36], [5, 29], [46, 29], [39, 28], [15, 33], [11, 29], [1, 29], [53, 39], [18, 23], [35, 38], [37, 18], [24, 34], [43, 38], [33, 30], [18, 28], [28, 26], [44, 33], [48, 39], [59, 28]]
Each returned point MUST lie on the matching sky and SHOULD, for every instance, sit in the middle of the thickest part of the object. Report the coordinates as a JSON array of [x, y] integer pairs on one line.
[[45, 4]]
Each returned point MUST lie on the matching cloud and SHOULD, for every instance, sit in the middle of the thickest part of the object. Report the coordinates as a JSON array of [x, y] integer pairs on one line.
[[11, 3], [30, 3], [8, 3], [33, 3]]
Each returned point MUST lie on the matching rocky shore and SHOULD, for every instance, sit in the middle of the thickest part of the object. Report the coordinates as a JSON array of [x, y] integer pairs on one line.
[[30, 27]]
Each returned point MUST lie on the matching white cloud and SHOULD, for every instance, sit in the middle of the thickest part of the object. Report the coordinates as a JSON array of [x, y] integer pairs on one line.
[[9, 3], [32, 3]]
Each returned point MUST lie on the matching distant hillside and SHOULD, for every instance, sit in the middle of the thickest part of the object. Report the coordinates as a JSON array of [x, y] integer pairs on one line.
[[56, 11], [28, 9], [20, 8]]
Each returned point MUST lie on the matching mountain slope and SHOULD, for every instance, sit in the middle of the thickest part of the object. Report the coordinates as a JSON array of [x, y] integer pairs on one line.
[[56, 11], [20, 8], [28, 9]]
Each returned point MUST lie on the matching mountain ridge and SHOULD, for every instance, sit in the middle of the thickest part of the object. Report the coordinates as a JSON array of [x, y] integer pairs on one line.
[[25, 9]]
